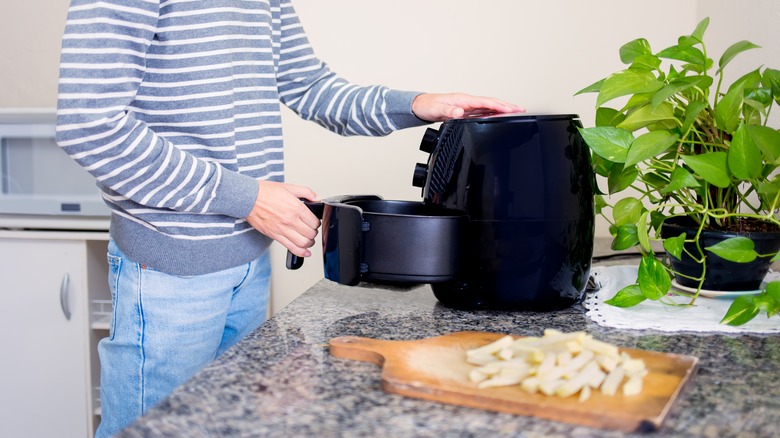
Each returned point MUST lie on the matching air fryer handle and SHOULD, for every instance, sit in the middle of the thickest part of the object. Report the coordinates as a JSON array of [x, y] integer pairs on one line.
[[293, 261]]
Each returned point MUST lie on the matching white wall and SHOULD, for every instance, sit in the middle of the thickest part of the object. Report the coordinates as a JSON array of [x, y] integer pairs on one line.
[[30, 34], [534, 53], [754, 20]]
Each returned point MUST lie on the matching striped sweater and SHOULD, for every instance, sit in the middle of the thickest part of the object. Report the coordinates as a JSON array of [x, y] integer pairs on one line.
[[174, 107]]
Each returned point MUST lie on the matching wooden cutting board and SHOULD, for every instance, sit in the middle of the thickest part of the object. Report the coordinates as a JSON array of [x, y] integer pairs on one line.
[[436, 369]]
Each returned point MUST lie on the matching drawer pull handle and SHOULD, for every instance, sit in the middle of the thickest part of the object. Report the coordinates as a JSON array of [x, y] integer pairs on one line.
[[64, 286]]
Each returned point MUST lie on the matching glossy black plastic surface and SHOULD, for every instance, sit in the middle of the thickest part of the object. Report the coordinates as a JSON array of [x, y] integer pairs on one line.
[[293, 261], [527, 185], [366, 238]]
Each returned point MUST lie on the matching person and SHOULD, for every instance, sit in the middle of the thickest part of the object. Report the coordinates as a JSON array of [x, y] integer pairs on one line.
[[174, 107]]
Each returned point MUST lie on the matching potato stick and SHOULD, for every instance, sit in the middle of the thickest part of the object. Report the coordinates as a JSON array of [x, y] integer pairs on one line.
[[563, 358], [600, 347], [530, 384], [481, 359], [505, 354], [613, 381], [571, 368], [550, 387], [582, 379], [633, 386], [491, 347], [584, 394], [507, 376], [477, 376], [606, 363]]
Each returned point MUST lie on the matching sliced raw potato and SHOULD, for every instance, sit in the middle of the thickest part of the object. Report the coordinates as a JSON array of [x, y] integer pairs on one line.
[[491, 347], [633, 386], [557, 364], [584, 394], [613, 381]]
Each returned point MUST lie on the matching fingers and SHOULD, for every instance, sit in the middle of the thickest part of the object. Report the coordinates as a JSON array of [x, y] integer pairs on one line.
[[302, 192], [471, 104], [279, 214], [440, 107]]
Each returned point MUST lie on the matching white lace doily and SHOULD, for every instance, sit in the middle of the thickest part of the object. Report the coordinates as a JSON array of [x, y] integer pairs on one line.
[[705, 316]]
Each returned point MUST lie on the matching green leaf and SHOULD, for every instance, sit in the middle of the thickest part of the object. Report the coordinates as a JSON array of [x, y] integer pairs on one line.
[[646, 62], [649, 145], [698, 33], [647, 115], [656, 219], [733, 51], [727, 110], [744, 158], [653, 279], [655, 180], [741, 311], [681, 179], [691, 113], [753, 112], [625, 237], [768, 191], [711, 166], [773, 289], [599, 203], [629, 296], [748, 81], [771, 80], [620, 178], [767, 140], [633, 49], [762, 98], [684, 53], [627, 211], [627, 82], [679, 86], [601, 165], [592, 88], [767, 304], [674, 245], [608, 116], [609, 142], [735, 249], [642, 234]]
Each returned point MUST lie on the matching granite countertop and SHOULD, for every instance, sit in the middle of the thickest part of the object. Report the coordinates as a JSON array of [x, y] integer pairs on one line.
[[282, 382]]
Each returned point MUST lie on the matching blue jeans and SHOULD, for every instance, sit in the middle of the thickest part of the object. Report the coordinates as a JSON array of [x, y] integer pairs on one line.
[[165, 328]]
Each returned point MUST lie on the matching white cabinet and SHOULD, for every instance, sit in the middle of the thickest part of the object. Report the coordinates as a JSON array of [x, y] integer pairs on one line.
[[49, 281]]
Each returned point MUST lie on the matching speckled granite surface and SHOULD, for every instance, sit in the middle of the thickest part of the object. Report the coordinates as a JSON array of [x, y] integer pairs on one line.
[[282, 382]]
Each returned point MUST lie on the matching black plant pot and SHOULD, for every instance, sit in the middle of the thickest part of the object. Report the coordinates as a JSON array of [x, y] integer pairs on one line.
[[722, 274]]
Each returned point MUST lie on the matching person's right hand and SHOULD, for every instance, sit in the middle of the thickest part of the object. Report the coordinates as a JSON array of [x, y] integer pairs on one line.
[[279, 214]]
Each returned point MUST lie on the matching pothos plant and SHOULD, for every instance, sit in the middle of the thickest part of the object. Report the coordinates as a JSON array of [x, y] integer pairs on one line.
[[690, 146]]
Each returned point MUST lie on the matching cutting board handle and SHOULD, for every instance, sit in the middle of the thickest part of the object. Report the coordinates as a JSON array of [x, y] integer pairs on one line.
[[358, 348]]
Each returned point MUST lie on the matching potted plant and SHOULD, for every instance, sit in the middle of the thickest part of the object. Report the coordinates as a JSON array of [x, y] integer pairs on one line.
[[699, 162]]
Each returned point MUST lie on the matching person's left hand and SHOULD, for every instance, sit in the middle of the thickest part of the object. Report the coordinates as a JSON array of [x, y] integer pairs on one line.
[[439, 107]]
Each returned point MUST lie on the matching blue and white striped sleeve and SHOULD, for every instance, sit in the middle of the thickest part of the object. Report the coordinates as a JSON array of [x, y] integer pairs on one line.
[[313, 91], [103, 61]]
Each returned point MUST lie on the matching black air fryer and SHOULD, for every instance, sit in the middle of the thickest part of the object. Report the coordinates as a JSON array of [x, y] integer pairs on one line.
[[506, 221], [526, 184]]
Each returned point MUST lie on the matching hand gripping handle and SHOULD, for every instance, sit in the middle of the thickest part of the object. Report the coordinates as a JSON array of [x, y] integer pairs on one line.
[[293, 261]]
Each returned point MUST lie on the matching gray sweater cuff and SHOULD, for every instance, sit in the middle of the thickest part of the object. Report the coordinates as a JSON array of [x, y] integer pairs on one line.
[[399, 109], [236, 195]]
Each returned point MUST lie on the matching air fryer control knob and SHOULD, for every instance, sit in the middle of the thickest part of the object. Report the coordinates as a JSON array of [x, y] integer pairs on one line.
[[429, 140], [420, 175]]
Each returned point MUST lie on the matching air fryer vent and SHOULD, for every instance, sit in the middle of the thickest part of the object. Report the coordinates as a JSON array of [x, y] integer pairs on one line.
[[445, 157]]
